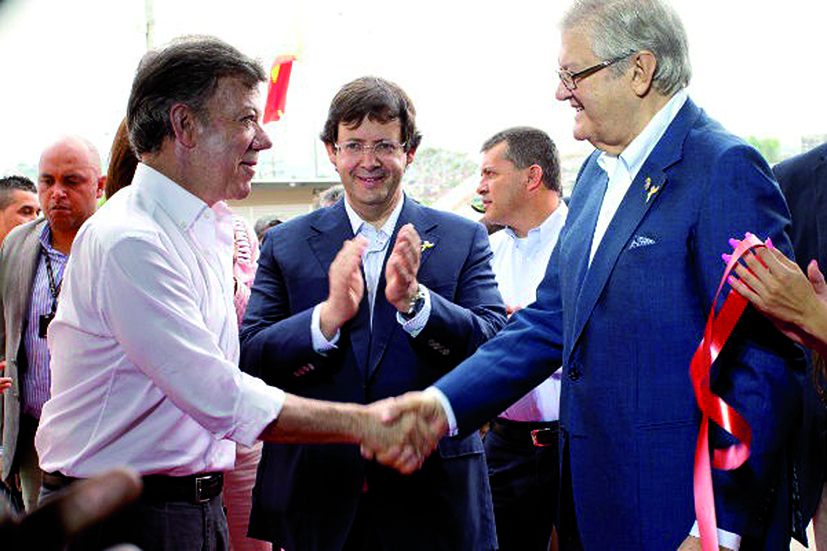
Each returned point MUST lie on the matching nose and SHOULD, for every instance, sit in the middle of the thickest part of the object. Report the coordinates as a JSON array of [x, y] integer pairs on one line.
[[59, 189], [482, 188], [562, 93], [262, 141], [369, 157]]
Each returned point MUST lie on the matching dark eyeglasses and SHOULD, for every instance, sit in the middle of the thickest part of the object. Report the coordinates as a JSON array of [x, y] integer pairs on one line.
[[570, 79]]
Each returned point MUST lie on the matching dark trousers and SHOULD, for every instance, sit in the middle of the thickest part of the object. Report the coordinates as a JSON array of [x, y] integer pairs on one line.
[[154, 525], [364, 535], [568, 535], [524, 483]]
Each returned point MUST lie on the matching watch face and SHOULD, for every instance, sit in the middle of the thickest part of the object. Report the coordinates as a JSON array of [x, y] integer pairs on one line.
[[417, 302]]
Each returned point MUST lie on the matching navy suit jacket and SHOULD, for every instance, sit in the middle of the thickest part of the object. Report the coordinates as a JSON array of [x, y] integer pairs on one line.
[[306, 495], [803, 180], [625, 329]]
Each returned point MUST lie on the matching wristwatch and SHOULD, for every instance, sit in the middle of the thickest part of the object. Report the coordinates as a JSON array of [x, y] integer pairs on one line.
[[416, 304]]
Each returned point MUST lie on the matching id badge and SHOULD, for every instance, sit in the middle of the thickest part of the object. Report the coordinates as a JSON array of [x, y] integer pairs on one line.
[[44, 322]]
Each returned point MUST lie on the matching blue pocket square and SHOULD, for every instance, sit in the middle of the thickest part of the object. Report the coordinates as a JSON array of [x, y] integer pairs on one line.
[[641, 241]]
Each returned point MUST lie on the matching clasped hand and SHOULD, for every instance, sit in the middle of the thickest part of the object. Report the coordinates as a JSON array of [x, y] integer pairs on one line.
[[796, 303], [403, 431]]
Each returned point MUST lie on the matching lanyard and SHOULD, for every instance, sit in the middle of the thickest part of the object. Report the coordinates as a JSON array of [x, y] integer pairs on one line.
[[54, 288]]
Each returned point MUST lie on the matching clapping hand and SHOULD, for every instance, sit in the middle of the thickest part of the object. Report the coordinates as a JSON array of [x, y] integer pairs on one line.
[[346, 287], [402, 268]]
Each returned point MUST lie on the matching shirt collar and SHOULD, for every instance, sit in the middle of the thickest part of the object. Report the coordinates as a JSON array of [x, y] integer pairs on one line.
[[181, 205], [550, 224], [46, 239], [356, 221], [641, 147]]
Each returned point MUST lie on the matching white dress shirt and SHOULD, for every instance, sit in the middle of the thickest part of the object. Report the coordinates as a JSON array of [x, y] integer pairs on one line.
[[145, 346], [623, 168], [372, 260], [519, 265]]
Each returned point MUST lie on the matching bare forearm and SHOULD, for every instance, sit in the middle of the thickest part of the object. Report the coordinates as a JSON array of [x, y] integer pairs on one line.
[[303, 420]]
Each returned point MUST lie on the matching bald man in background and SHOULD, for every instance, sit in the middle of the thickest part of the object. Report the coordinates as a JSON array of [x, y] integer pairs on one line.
[[32, 259]]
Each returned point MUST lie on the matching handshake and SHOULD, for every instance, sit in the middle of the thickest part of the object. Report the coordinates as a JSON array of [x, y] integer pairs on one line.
[[401, 432]]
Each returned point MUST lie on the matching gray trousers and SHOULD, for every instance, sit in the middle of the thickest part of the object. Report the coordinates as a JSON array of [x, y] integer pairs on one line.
[[158, 526]]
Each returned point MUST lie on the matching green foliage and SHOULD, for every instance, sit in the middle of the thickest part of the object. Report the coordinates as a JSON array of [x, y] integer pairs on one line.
[[435, 171], [770, 148]]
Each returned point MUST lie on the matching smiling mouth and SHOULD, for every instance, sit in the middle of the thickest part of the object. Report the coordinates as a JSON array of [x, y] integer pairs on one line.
[[250, 167], [372, 180]]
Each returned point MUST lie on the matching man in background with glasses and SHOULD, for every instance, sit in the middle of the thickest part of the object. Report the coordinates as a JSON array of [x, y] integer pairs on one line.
[[372, 297], [625, 300]]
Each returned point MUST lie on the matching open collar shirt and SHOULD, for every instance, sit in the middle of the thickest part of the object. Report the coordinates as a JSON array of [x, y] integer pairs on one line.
[[372, 260], [34, 384], [622, 169], [519, 265], [145, 342]]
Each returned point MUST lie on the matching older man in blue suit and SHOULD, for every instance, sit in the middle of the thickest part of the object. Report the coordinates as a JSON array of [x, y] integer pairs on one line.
[[408, 296], [625, 299]]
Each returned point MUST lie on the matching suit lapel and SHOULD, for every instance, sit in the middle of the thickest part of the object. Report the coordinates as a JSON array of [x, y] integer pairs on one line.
[[640, 197], [384, 314], [819, 176], [25, 273], [29, 258], [331, 230]]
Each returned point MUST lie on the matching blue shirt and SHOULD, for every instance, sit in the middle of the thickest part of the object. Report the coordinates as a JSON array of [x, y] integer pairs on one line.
[[35, 384]]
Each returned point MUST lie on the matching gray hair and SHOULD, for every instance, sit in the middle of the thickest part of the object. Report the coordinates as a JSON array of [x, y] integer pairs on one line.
[[187, 71], [620, 27]]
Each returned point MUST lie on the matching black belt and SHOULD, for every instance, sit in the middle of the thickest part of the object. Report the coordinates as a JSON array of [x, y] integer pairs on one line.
[[526, 433], [197, 488]]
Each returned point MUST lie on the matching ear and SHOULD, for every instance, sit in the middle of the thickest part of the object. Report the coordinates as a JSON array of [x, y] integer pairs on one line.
[[644, 65], [331, 154], [101, 184], [409, 157], [183, 124], [535, 178]]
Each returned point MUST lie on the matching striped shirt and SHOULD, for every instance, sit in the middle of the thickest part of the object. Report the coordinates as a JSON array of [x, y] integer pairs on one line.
[[35, 383]]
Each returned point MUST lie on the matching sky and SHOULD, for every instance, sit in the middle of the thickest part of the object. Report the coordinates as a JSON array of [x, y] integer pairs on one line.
[[472, 68]]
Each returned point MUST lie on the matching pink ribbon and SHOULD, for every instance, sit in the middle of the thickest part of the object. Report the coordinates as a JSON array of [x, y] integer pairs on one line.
[[714, 408]]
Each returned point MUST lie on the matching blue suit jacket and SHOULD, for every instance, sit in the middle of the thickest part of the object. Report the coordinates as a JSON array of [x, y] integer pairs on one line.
[[625, 330], [306, 495], [803, 181]]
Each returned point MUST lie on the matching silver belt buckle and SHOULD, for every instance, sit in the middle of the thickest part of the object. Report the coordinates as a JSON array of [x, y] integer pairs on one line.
[[199, 489]]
